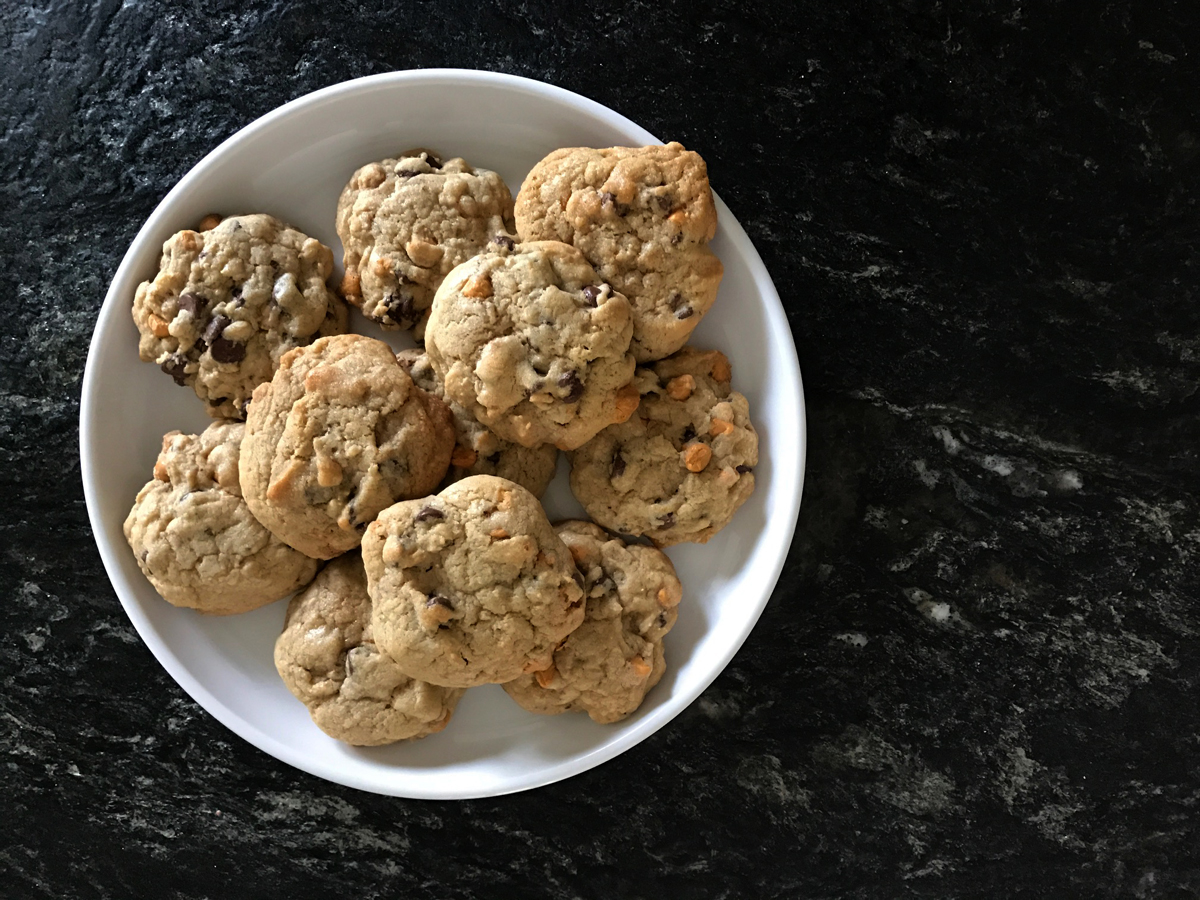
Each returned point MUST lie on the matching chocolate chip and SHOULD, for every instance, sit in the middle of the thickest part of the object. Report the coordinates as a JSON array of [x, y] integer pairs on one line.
[[688, 433], [684, 312], [618, 465], [193, 303], [664, 202], [503, 240], [570, 381], [399, 308], [668, 520], [352, 510], [662, 620], [591, 294], [427, 513], [226, 351], [742, 470], [215, 327], [677, 238], [610, 199], [434, 162], [438, 600], [175, 365]]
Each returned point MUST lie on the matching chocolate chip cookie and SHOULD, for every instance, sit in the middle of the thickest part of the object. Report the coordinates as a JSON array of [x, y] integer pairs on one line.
[[477, 449], [194, 537], [405, 223], [328, 660], [643, 217], [533, 344], [227, 303], [679, 469], [339, 434], [471, 586], [606, 666]]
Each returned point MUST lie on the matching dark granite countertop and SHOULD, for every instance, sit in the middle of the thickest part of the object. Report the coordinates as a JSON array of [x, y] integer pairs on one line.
[[980, 673]]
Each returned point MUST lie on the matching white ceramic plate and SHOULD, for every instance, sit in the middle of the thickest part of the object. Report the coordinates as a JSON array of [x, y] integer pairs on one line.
[[293, 163]]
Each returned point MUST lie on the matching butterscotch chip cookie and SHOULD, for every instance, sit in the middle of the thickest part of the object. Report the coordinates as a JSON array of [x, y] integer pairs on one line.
[[606, 666], [471, 586], [405, 223], [531, 342], [477, 449], [679, 469], [339, 434], [194, 537], [329, 661], [228, 302], [643, 217]]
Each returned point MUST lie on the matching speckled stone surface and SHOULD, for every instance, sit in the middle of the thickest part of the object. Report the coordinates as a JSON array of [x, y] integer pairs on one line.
[[980, 673]]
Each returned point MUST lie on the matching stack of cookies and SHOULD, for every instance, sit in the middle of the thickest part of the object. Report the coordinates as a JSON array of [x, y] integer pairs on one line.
[[558, 322]]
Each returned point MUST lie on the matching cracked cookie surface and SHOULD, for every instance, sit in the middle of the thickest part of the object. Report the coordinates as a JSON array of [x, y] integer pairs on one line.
[[643, 217], [405, 223], [607, 665], [339, 434], [682, 465], [328, 659], [477, 449], [194, 536], [471, 586], [227, 303], [533, 344]]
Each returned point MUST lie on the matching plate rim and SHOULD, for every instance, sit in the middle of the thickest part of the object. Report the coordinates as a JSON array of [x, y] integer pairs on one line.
[[776, 319]]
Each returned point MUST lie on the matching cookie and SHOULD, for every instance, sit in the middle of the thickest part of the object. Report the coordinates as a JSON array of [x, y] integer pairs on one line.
[[477, 450], [330, 663], [405, 223], [471, 586], [227, 303], [679, 469], [194, 537], [339, 434], [643, 217], [606, 666], [529, 340]]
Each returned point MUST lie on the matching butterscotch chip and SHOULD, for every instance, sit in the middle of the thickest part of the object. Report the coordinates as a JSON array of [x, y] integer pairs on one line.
[[696, 457], [328, 659], [502, 603], [643, 217], [338, 435], [406, 222], [194, 537], [477, 287], [607, 665], [680, 387], [721, 369], [670, 472], [463, 457]]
